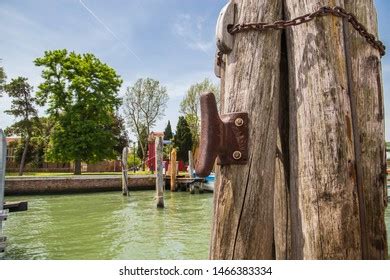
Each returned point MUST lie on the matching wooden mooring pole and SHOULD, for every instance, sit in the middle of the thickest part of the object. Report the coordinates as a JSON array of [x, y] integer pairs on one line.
[[3, 213], [173, 169], [337, 136], [243, 215], [316, 113], [159, 172], [366, 91], [125, 177], [190, 165]]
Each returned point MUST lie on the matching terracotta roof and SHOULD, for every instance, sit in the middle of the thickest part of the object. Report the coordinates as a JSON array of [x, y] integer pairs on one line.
[[158, 133], [12, 139], [153, 135]]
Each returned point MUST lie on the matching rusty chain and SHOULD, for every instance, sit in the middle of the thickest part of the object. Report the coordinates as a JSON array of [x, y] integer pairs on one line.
[[323, 11]]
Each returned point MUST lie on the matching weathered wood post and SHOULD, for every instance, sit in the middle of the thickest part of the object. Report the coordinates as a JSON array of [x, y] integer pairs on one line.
[[3, 214], [329, 195], [365, 86], [190, 165], [125, 177], [243, 213], [337, 140], [3, 151], [159, 172], [173, 169]]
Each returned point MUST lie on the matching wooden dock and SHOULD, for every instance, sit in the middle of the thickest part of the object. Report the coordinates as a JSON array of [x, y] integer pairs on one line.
[[16, 206], [184, 183]]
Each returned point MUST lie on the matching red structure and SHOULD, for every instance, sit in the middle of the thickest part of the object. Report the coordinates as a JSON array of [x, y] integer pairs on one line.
[[151, 161]]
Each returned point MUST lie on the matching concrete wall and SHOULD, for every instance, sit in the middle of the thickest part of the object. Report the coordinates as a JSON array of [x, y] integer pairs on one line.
[[74, 184]]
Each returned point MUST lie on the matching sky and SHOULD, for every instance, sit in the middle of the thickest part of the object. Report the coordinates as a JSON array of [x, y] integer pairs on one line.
[[171, 41]]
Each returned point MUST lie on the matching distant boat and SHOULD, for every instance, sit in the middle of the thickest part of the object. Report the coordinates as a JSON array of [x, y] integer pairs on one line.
[[208, 185]]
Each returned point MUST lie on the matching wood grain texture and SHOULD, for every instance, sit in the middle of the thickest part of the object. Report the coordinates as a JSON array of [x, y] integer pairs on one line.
[[3, 153], [125, 177], [173, 170], [324, 200], [159, 172], [244, 195], [190, 165], [366, 88]]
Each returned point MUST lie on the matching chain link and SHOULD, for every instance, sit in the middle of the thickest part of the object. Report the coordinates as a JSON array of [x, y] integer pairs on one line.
[[323, 11]]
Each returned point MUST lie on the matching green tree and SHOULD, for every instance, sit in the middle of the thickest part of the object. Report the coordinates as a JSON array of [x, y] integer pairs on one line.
[[120, 134], [133, 160], [144, 104], [167, 149], [190, 106], [40, 134], [142, 142], [81, 94], [3, 78], [168, 135], [183, 139], [22, 108]]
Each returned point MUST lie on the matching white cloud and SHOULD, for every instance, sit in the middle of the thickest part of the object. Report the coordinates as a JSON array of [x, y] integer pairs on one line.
[[191, 30]]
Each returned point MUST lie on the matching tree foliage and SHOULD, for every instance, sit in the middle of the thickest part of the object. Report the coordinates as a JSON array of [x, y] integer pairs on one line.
[[120, 134], [144, 104], [183, 139], [133, 160], [168, 134], [190, 106], [40, 134], [22, 104], [142, 142], [81, 94], [23, 109]]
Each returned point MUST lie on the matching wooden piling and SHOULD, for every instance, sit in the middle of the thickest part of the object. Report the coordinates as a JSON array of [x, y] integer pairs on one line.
[[159, 172], [336, 136], [125, 178], [173, 169], [366, 93], [243, 215], [190, 165], [3, 152], [3, 213], [328, 201]]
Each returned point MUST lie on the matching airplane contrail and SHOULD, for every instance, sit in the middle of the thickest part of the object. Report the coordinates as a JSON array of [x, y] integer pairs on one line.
[[108, 29]]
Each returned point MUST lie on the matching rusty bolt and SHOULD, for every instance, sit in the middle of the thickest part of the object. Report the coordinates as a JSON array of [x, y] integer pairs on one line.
[[239, 122], [237, 155]]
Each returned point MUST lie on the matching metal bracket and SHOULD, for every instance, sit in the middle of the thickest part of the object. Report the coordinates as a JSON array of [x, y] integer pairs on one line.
[[225, 137]]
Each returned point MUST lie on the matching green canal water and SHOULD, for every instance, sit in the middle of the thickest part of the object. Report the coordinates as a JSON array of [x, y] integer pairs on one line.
[[110, 226]]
